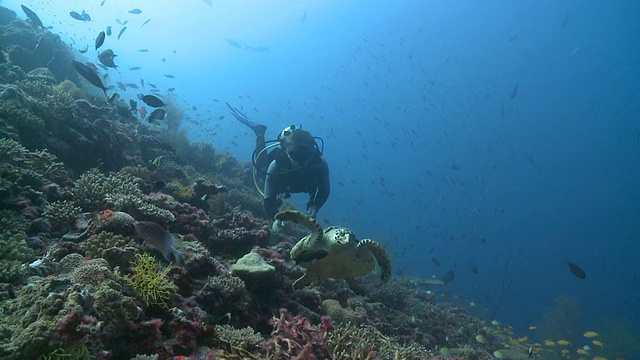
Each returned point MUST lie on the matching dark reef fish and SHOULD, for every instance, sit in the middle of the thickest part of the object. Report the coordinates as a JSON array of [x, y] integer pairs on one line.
[[152, 100], [576, 270], [106, 58], [135, 11], [35, 20], [90, 75], [160, 239], [100, 39], [76, 16], [109, 30], [133, 105], [448, 277], [157, 114]]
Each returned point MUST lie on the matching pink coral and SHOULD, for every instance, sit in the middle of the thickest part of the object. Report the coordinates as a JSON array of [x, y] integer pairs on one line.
[[293, 337]]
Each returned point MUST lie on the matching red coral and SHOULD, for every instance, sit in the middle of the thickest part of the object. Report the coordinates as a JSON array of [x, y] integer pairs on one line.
[[295, 338]]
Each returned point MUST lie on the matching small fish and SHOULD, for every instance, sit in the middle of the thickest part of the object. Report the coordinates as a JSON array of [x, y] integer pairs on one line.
[[157, 114], [169, 76], [474, 270], [109, 30], [576, 270], [152, 100], [35, 20], [549, 343], [146, 22], [436, 261], [132, 85], [133, 105], [582, 352], [514, 92], [119, 22], [143, 112], [135, 68], [143, 50], [90, 75], [530, 352], [135, 11], [102, 2], [142, 82], [590, 334], [563, 342], [124, 23], [100, 39], [152, 85], [233, 43], [86, 16], [597, 343], [481, 339], [84, 49], [157, 161], [106, 58], [76, 16], [194, 108], [122, 86], [113, 98], [448, 277], [122, 32], [532, 327], [498, 354], [171, 89], [220, 117], [160, 239], [162, 145]]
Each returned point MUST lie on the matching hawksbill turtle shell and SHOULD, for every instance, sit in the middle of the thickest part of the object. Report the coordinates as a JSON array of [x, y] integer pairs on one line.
[[334, 253]]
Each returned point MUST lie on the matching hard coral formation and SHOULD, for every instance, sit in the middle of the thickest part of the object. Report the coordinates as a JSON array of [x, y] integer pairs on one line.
[[97, 244], [14, 255], [61, 214], [94, 191]]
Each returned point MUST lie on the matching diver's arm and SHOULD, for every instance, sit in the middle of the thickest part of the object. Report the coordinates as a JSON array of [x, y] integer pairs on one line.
[[324, 186], [271, 190]]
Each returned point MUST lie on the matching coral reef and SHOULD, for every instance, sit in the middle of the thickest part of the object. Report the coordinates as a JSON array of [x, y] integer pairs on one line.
[[149, 281], [14, 253]]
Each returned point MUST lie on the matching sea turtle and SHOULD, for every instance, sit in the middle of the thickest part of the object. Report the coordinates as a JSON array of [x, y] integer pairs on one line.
[[334, 253]]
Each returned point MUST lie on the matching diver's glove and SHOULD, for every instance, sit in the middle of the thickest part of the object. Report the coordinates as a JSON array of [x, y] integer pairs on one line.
[[277, 225], [313, 211]]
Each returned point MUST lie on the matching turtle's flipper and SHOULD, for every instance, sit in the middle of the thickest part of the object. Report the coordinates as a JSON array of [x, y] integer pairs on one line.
[[305, 280], [354, 286], [381, 257], [300, 218]]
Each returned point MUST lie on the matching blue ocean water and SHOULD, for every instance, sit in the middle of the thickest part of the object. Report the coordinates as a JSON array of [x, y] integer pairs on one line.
[[495, 136]]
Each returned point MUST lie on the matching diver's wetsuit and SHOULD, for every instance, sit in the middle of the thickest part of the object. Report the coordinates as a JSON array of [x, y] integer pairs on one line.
[[283, 179]]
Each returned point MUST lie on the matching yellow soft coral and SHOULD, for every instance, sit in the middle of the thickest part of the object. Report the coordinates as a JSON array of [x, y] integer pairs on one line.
[[149, 282]]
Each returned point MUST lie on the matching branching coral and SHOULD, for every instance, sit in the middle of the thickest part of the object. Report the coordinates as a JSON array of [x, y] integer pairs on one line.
[[245, 338], [98, 243], [95, 190], [25, 168], [61, 214], [149, 282], [14, 254]]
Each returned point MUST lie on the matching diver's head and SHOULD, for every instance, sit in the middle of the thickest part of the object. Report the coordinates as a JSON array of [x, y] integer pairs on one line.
[[287, 131], [299, 145]]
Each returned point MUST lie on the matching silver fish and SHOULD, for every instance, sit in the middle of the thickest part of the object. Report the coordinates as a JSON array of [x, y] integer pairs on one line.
[[160, 239]]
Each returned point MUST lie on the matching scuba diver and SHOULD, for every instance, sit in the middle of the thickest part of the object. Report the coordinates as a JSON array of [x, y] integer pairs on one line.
[[294, 165]]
